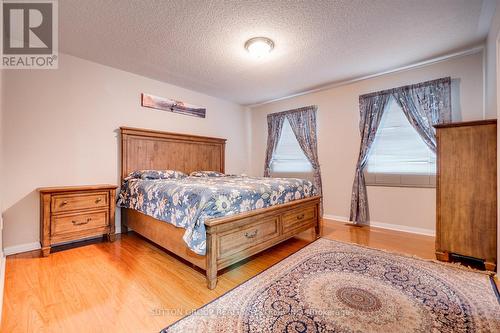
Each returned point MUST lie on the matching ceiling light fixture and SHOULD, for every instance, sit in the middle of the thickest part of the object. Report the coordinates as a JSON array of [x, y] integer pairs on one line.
[[259, 46]]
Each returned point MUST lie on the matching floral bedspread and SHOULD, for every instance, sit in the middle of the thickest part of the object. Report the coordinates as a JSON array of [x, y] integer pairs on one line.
[[190, 201]]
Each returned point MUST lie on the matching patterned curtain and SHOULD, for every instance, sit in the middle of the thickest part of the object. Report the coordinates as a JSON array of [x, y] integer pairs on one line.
[[371, 109], [303, 123], [425, 105], [274, 126]]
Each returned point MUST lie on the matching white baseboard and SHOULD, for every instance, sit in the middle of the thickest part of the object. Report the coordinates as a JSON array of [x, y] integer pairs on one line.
[[21, 248], [389, 226], [33, 246], [397, 227]]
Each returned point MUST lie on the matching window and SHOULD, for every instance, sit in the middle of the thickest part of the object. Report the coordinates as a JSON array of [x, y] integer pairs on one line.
[[399, 156], [289, 157]]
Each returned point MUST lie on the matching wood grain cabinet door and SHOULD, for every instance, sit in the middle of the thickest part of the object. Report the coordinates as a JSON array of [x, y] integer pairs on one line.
[[467, 190]]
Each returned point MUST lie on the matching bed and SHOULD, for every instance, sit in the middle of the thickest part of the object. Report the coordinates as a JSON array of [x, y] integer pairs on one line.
[[227, 239]]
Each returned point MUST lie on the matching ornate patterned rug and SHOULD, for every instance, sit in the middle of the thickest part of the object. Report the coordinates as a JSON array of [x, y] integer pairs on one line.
[[330, 286]]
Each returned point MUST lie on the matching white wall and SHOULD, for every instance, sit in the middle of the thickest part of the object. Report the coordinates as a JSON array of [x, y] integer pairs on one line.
[[491, 65], [493, 91], [338, 139], [60, 128], [1, 161], [2, 259]]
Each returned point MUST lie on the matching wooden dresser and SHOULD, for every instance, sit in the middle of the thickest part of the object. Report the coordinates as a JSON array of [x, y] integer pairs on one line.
[[467, 191], [75, 213]]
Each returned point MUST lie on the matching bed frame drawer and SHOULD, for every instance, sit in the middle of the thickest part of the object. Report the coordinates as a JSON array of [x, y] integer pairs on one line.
[[235, 241], [297, 218]]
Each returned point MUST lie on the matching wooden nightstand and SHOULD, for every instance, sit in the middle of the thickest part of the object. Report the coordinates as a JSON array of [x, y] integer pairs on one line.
[[74, 213]]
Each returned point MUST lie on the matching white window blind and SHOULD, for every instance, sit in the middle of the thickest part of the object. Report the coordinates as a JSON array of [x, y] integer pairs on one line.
[[288, 156], [399, 156]]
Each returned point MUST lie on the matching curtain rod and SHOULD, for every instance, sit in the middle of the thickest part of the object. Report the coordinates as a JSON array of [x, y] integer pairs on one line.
[[304, 108], [409, 86]]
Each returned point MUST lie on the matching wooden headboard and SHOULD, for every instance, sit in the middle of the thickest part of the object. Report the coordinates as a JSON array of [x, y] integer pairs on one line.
[[147, 149]]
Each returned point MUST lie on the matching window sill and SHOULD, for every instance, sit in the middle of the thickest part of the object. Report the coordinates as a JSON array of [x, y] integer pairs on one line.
[[400, 180], [401, 185]]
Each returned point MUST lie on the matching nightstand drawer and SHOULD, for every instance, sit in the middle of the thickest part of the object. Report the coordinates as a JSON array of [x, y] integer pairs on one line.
[[69, 202], [76, 222]]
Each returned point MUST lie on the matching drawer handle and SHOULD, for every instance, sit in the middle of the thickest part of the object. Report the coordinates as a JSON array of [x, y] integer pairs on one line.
[[64, 203], [81, 223], [251, 234], [98, 200], [300, 217]]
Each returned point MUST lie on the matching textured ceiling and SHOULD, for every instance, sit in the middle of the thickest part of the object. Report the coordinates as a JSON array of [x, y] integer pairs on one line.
[[199, 44]]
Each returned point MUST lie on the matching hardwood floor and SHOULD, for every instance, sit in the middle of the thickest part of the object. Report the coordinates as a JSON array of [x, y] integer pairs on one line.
[[133, 286]]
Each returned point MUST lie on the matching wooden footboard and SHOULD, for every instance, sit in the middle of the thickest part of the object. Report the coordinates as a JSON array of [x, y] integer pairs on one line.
[[234, 238]]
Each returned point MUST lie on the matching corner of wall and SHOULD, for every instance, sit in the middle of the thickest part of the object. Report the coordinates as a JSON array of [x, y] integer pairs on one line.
[[493, 92], [2, 257], [249, 138], [491, 53]]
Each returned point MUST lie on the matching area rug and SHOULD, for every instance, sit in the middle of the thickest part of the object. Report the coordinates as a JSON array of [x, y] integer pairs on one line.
[[331, 286]]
